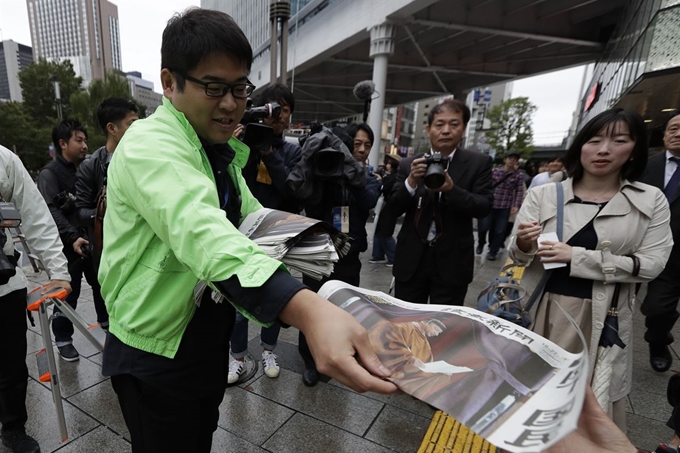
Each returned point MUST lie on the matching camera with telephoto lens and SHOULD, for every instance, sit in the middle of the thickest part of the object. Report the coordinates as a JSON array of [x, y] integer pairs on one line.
[[9, 218], [259, 136], [436, 171]]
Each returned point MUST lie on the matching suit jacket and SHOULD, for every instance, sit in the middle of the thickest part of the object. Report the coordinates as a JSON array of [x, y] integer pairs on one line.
[[471, 197], [654, 176]]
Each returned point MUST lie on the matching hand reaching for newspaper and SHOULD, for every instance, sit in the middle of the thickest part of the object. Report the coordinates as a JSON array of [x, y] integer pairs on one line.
[[335, 339], [596, 432]]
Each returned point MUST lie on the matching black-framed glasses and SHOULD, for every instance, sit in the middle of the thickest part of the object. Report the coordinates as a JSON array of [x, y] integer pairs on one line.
[[220, 89]]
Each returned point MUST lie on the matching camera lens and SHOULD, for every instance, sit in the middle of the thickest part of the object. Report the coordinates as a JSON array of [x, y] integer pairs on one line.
[[434, 178]]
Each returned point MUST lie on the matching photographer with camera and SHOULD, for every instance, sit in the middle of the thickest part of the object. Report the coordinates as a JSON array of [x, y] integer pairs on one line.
[[440, 192], [265, 174], [115, 116], [57, 184], [350, 194], [17, 188]]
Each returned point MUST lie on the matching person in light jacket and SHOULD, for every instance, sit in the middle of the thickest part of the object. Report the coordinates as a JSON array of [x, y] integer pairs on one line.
[[608, 218]]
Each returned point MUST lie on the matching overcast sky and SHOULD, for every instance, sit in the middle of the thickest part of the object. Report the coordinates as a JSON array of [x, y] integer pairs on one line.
[[142, 23]]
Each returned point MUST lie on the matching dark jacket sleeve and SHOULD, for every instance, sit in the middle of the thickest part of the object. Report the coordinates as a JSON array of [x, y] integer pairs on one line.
[[400, 198], [264, 302], [477, 201], [86, 197], [279, 165], [366, 197], [48, 185]]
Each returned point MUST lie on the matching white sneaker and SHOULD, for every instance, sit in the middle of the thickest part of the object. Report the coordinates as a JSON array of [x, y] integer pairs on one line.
[[270, 364], [236, 370]]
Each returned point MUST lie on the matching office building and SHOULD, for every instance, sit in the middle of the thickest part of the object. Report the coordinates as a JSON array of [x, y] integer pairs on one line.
[[86, 32], [14, 57], [142, 91]]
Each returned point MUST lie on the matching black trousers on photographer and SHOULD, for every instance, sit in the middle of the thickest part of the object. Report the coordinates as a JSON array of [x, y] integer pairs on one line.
[[13, 372], [348, 270], [77, 266]]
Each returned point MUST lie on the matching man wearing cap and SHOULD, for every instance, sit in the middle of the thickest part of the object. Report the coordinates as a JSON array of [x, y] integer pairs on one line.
[[508, 185]]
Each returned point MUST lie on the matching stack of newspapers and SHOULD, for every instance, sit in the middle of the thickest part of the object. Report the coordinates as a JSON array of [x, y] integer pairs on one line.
[[307, 245]]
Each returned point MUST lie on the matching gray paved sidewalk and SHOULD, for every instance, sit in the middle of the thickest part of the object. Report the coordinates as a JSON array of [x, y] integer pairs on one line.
[[282, 415]]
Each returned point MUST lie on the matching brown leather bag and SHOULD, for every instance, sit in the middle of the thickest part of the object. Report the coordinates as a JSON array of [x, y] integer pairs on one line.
[[99, 221]]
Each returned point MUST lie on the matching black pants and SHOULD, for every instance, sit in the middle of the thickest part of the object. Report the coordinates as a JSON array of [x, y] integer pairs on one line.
[[160, 423], [347, 270], [13, 371], [660, 308], [61, 326], [426, 283]]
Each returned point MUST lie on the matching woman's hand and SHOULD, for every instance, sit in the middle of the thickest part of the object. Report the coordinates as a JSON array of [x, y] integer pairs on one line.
[[554, 252], [527, 235]]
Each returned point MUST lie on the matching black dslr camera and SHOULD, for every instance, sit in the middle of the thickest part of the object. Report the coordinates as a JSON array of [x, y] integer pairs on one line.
[[437, 165], [9, 218], [258, 136]]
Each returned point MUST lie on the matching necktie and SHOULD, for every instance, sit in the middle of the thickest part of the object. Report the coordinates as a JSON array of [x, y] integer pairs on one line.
[[673, 183]]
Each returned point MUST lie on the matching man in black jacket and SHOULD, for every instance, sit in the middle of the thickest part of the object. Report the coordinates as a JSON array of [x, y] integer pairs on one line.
[[660, 306], [265, 174], [383, 243], [57, 184], [435, 246]]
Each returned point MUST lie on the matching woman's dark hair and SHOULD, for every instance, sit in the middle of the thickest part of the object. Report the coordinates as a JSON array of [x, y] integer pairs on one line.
[[64, 131], [353, 128], [197, 33], [278, 93], [607, 121], [114, 110]]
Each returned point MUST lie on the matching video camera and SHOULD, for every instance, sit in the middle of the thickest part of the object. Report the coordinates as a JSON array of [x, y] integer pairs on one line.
[[437, 165], [258, 136], [9, 218]]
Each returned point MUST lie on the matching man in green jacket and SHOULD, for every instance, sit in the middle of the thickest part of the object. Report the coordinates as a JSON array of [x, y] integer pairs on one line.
[[175, 198]]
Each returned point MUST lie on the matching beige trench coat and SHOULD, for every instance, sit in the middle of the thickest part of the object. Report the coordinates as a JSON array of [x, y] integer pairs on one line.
[[635, 221]]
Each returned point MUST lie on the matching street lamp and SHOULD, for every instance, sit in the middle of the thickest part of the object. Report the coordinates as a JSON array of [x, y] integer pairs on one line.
[[57, 95]]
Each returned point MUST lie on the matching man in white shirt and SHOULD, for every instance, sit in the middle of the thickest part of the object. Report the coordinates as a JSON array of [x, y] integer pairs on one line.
[[661, 303], [17, 187], [554, 166]]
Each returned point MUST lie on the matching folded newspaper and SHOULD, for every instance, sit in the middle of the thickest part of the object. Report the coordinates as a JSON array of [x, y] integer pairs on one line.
[[307, 245], [511, 386]]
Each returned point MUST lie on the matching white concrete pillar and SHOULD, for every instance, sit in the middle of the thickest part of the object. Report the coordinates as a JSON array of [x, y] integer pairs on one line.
[[382, 46]]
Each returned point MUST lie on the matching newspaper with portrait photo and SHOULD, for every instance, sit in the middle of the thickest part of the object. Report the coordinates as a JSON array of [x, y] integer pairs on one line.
[[306, 245], [516, 389]]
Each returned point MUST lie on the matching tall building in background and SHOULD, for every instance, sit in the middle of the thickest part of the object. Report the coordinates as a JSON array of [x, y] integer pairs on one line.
[[142, 91], [14, 57], [83, 31], [252, 16]]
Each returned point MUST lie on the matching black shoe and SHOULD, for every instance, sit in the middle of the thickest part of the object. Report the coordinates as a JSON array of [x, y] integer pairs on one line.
[[310, 377], [20, 442], [69, 353], [660, 357], [491, 256], [480, 249]]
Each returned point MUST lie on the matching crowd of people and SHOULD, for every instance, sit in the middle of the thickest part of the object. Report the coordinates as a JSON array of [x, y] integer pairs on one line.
[[155, 211]]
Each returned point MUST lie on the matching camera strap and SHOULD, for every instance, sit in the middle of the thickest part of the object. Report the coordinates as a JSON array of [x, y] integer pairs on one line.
[[428, 217]]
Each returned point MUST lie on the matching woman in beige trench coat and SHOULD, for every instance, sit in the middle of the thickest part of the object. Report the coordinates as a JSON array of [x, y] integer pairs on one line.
[[608, 217]]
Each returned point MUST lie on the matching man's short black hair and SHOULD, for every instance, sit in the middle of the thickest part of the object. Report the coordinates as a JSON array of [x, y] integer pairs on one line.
[[278, 93], [607, 121], [65, 130], [195, 34], [353, 128], [114, 110], [670, 116], [452, 105]]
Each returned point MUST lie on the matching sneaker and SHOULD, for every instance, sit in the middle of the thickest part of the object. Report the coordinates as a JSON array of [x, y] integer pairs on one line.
[[269, 364], [380, 261], [20, 442], [68, 353], [236, 370], [389, 264]]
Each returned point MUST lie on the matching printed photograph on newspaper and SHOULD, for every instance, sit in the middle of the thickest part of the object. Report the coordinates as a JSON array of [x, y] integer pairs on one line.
[[513, 387]]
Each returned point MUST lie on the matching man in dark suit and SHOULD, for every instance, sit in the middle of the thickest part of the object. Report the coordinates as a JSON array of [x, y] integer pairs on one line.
[[661, 303], [435, 247]]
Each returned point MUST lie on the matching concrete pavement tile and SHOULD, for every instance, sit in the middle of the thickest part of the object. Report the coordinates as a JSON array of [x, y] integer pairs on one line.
[[305, 434], [341, 408], [647, 433], [75, 376], [226, 442], [101, 403], [401, 400], [34, 342], [650, 405], [250, 416], [96, 358], [100, 439], [289, 335], [84, 347], [399, 430], [42, 419], [646, 379]]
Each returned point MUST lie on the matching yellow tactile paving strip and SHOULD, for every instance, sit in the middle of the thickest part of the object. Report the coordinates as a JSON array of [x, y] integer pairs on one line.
[[446, 435]]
